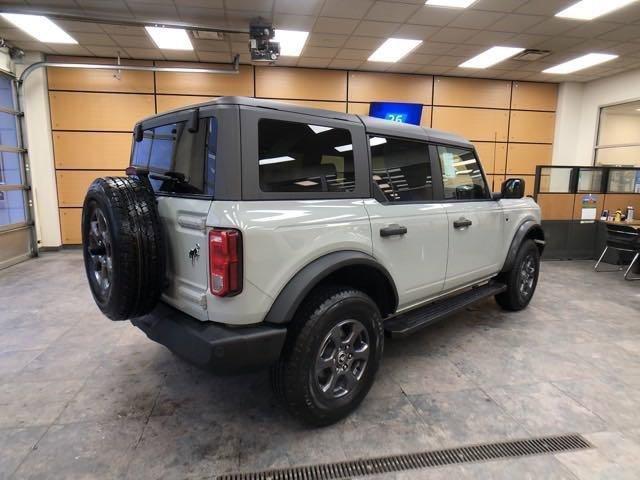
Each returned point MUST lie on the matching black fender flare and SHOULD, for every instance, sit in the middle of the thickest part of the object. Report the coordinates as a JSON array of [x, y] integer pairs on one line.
[[525, 230], [291, 296]]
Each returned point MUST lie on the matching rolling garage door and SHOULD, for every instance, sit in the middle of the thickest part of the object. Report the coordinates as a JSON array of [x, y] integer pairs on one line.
[[16, 227]]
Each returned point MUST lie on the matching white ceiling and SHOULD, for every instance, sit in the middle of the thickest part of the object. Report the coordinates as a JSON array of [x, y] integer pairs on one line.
[[345, 32]]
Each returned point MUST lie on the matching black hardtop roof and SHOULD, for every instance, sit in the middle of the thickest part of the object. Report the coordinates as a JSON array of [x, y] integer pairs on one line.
[[372, 125]]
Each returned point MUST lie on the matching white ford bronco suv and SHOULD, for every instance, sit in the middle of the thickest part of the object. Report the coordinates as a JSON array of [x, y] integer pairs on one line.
[[251, 234]]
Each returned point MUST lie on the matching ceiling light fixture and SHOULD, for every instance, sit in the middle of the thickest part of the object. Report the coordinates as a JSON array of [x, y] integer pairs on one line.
[[491, 57], [450, 3], [291, 42], [39, 27], [170, 38], [590, 9], [580, 63], [393, 49]]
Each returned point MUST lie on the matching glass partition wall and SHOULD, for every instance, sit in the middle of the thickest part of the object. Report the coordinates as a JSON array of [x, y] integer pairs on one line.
[[618, 141]]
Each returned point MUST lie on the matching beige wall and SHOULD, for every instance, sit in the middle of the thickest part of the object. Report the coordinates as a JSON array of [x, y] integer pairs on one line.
[[511, 123]]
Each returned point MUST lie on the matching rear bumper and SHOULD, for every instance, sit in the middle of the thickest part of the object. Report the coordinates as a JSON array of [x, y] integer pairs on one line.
[[210, 345]]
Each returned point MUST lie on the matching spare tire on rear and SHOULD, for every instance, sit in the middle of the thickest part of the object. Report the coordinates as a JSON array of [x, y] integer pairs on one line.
[[123, 247]]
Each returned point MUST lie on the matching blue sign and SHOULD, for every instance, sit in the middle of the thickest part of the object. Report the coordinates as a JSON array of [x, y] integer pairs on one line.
[[397, 112]]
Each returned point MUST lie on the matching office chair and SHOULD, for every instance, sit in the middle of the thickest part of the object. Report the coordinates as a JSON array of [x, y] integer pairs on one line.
[[623, 238]]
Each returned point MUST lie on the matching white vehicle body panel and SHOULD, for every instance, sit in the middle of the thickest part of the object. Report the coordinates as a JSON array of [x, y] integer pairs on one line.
[[417, 261], [279, 239]]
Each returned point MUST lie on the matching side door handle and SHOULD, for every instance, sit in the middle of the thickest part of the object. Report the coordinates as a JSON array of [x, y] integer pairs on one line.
[[462, 223], [393, 229]]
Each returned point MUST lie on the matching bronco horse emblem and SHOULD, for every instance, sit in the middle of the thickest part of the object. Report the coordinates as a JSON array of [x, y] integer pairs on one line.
[[194, 253]]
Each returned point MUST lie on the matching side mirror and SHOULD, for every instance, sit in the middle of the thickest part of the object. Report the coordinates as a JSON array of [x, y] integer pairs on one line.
[[512, 188]]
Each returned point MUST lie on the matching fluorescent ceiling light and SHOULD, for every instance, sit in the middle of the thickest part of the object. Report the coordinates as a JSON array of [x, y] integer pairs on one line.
[[291, 42], [491, 57], [450, 3], [393, 49], [269, 161], [40, 28], [170, 38], [590, 9], [319, 128], [580, 63]]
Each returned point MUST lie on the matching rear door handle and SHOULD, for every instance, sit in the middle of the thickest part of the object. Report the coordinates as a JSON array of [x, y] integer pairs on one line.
[[462, 223], [393, 229]]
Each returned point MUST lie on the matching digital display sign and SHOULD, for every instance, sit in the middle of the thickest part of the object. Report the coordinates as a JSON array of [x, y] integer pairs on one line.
[[397, 112]]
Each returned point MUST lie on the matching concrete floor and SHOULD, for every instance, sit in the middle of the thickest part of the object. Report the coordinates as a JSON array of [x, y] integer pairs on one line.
[[84, 397]]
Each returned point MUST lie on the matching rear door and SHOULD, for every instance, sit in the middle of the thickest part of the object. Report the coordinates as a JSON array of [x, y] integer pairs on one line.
[[408, 229], [182, 172], [475, 219]]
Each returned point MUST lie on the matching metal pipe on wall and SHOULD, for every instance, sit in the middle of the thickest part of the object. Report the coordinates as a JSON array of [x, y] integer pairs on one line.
[[235, 68]]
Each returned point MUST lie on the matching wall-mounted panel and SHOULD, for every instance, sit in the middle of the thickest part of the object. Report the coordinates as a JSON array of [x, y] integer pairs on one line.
[[169, 102], [532, 127], [90, 150], [473, 123], [523, 158], [206, 84], [615, 201], [334, 106], [390, 87], [534, 96], [471, 92], [70, 219], [73, 184], [301, 83], [493, 156], [556, 206], [98, 111], [88, 80]]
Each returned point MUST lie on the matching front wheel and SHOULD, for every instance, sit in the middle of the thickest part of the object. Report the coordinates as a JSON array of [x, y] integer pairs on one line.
[[522, 279], [331, 356]]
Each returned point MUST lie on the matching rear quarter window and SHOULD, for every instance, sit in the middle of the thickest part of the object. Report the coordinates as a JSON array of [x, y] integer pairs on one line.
[[179, 161]]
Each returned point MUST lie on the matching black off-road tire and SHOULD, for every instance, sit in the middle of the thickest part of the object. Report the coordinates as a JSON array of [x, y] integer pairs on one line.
[[516, 298], [132, 269], [293, 377]]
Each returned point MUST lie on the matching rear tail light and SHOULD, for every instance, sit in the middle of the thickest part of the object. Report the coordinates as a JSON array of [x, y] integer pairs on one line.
[[225, 262]]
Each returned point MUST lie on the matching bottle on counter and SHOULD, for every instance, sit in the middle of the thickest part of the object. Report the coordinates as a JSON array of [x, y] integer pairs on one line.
[[618, 215], [630, 213]]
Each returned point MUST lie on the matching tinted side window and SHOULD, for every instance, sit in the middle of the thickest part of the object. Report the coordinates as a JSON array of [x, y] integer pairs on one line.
[[301, 157], [401, 169], [179, 161], [461, 174]]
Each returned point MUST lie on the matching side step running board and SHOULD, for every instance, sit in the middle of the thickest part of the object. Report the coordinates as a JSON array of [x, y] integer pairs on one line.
[[408, 323]]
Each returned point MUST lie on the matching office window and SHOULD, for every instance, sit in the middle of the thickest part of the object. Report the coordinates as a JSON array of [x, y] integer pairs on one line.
[[401, 169], [301, 157], [461, 174], [619, 136]]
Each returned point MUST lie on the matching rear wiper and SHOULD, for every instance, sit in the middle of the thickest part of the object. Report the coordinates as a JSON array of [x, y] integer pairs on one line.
[[170, 176]]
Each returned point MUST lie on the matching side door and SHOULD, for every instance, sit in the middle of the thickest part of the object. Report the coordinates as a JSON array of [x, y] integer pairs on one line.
[[181, 166], [409, 230], [476, 221]]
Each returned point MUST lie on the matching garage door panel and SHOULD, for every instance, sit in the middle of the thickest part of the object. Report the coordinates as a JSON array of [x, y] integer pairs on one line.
[[532, 127], [70, 219], [115, 112], [473, 123], [523, 158], [73, 184], [390, 87], [471, 92], [88, 80], [91, 150]]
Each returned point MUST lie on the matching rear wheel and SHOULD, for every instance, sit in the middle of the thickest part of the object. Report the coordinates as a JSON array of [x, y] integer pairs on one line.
[[331, 356], [122, 247], [522, 279]]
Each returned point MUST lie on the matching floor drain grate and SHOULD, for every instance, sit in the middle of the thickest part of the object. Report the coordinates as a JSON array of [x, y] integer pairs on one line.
[[412, 461]]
